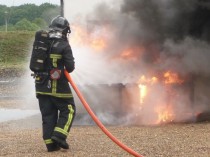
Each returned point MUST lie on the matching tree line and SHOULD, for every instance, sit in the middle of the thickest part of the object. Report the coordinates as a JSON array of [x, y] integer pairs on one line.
[[28, 17]]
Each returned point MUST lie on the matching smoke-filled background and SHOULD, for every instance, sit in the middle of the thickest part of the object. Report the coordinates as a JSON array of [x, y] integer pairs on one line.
[[172, 29], [144, 39]]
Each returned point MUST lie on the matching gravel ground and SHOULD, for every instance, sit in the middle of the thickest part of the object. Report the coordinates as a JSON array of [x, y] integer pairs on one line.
[[19, 138]]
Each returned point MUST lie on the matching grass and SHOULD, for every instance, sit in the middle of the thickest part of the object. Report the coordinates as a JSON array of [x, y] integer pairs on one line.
[[15, 49]]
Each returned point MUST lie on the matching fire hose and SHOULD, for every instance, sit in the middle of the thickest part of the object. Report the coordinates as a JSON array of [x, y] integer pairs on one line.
[[97, 121]]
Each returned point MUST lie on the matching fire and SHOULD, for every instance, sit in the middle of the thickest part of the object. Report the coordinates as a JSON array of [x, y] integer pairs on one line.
[[98, 44], [151, 81], [143, 92], [143, 86], [154, 92], [128, 54], [172, 78], [165, 114], [81, 36], [151, 88]]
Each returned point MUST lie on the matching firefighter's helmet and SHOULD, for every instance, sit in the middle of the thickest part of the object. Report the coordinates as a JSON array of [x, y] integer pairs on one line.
[[60, 23]]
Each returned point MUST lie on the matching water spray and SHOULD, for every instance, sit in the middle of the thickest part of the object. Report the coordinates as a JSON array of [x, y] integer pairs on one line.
[[91, 113], [97, 121]]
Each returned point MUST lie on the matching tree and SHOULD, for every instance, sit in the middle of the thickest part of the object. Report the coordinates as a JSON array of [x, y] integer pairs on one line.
[[30, 12], [40, 22], [24, 24], [3, 8]]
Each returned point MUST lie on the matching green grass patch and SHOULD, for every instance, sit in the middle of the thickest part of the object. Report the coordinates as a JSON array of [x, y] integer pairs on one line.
[[15, 49]]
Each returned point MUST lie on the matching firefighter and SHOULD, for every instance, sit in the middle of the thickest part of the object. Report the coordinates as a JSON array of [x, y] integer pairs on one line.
[[55, 98]]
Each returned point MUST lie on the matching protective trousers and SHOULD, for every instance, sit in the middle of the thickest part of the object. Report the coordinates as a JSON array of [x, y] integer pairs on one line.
[[57, 117]]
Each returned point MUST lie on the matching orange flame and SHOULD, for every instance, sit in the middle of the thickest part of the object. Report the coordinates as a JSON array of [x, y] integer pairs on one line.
[[172, 78], [80, 36], [127, 54], [98, 44]]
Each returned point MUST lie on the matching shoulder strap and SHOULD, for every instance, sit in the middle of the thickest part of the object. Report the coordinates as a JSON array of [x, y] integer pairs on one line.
[[48, 63]]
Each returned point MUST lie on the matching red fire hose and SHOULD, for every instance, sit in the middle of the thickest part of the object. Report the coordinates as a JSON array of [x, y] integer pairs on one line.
[[87, 107]]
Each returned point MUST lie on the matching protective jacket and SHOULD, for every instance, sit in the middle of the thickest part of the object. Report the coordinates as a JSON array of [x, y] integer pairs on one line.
[[59, 57]]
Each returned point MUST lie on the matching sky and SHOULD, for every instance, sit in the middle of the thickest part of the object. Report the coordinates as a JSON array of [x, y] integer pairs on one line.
[[74, 7]]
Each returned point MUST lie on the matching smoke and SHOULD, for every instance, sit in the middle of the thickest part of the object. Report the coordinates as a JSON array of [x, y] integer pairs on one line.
[[166, 29], [158, 36], [180, 32], [173, 19], [193, 56]]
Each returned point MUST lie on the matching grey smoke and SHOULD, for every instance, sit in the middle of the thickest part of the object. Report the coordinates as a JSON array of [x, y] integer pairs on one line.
[[168, 29], [175, 36]]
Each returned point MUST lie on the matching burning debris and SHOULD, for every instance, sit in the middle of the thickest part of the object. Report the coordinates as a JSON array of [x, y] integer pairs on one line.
[[160, 47]]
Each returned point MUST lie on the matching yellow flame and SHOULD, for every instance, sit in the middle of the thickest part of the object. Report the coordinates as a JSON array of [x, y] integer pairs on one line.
[[149, 81], [143, 92], [143, 86], [165, 114]]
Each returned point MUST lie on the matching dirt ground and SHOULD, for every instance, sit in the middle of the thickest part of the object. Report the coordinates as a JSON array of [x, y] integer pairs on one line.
[[24, 138]]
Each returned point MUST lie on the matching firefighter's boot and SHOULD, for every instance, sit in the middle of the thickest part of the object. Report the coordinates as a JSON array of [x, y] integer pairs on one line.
[[60, 142], [53, 147]]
